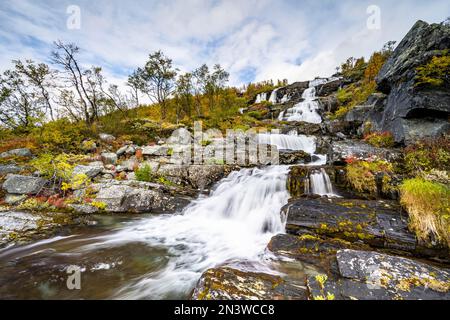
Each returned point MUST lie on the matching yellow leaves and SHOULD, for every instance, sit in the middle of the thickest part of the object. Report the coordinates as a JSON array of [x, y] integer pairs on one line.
[[434, 73]]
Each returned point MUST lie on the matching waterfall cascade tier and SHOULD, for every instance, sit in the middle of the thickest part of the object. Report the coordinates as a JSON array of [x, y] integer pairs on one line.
[[319, 183], [291, 141], [305, 111], [234, 223]]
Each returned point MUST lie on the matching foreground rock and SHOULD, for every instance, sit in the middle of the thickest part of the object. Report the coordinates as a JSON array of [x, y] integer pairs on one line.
[[14, 225], [377, 223], [230, 284], [9, 168], [363, 275], [17, 184]]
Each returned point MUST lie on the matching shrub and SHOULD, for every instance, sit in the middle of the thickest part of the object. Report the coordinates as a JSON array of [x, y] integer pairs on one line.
[[361, 174], [144, 174], [428, 205], [426, 155], [380, 139], [435, 73]]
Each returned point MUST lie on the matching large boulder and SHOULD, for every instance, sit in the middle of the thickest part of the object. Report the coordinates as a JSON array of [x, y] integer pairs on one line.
[[23, 152], [13, 223], [137, 197], [413, 112], [376, 223], [17, 184], [363, 275], [225, 283]]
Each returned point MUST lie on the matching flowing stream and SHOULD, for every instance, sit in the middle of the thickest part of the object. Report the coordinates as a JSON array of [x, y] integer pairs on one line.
[[162, 257]]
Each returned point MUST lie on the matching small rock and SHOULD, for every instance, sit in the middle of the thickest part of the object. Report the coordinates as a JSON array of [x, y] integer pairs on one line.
[[109, 158], [13, 199], [9, 168], [84, 208], [108, 138], [90, 171], [23, 152], [17, 184]]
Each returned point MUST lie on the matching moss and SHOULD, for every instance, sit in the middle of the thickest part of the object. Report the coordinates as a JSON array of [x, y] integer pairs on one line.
[[435, 72], [361, 175], [380, 139]]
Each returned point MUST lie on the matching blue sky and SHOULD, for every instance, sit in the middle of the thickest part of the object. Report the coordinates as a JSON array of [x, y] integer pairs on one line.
[[252, 39]]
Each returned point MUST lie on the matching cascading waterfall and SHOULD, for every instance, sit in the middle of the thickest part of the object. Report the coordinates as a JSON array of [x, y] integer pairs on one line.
[[291, 141], [234, 223], [319, 183], [306, 110], [274, 96], [261, 97]]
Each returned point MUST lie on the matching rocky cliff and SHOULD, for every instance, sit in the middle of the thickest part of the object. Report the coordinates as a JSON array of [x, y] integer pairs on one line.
[[412, 112]]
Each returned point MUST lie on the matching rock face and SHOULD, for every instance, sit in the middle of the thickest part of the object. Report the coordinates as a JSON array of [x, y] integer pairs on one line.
[[16, 222], [230, 284], [377, 223], [292, 157], [196, 176], [411, 112], [16, 184], [365, 275]]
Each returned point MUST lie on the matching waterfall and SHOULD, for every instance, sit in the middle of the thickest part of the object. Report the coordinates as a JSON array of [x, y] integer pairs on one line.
[[274, 96], [305, 111], [320, 184], [234, 223], [290, 141], [261, 97]]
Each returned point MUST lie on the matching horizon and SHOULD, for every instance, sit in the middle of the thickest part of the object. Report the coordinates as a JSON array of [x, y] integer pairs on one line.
[[295, 42]]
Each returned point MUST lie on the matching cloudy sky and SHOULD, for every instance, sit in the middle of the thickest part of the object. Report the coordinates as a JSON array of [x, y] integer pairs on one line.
[[253, 39]]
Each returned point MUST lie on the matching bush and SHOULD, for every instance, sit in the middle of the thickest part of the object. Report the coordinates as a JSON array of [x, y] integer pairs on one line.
[[435, 73], [380, 139], [361, 174], [62, 135], [144, 174], [427, 155], [428, 205]]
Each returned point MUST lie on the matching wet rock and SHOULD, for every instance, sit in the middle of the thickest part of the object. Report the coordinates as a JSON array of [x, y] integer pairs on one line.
[[84, 209], [23, 152], [13, 224], [17, 184], [309, 248], [377, 223], [364, 275], [9, 168], [329, 88], [109, 158], [226, 283], [293, 157]]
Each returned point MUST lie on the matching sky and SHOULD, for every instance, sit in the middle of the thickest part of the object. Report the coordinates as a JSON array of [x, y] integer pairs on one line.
[[252, 39]]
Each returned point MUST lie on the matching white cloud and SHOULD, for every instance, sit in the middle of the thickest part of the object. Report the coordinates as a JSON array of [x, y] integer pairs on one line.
[[297, 40]]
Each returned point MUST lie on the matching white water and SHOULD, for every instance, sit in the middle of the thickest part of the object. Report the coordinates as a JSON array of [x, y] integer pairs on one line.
[[274, 97], [320, 184], [290, 141], [306, 110], [261, 97], [234, 223]]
